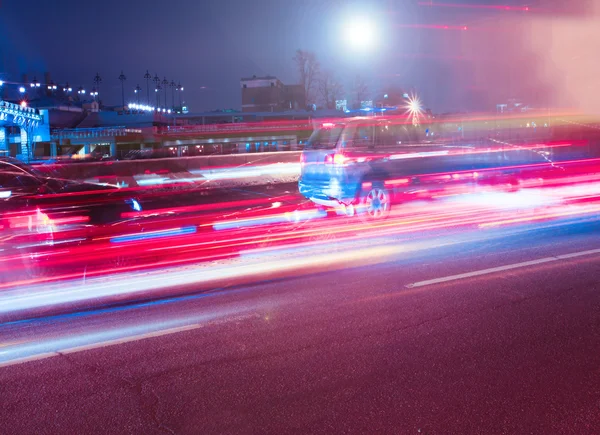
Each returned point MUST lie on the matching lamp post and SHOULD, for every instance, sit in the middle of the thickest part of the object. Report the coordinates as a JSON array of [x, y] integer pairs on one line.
[[122, 78], [137, 91], [147, 77], [52, 86], [94, 93], [165, 84], [157, 90], [180, 90], [97, 81], [156, 81], [173, 85]]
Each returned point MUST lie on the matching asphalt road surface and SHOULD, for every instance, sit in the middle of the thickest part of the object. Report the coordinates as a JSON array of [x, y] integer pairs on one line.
[[493, 336]]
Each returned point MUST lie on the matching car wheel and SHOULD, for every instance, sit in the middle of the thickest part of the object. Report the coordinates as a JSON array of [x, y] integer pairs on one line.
[[375, 203]]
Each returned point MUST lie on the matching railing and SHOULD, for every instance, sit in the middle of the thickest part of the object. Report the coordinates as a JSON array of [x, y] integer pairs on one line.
[[82, 133], [234, 127]]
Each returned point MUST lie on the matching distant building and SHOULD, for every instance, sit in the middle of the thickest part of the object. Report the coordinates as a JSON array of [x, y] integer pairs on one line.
[[269, 94], [513, 105], [341, 105]]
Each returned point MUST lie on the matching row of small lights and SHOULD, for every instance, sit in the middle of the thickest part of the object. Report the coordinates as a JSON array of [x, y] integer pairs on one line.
[[51, 87], [94, 93], [148, 108]]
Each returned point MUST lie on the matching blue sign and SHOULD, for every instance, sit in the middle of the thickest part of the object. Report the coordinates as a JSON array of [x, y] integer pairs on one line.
[[20, 120]]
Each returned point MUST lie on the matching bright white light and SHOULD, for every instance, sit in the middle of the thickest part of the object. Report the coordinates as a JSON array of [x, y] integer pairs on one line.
[[37, 85], [414, 105], [23, 103], [360, 33], [22, 89], [169, 111], [1, 83]]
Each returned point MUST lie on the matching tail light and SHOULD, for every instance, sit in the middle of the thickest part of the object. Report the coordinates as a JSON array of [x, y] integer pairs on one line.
[[336, 159]]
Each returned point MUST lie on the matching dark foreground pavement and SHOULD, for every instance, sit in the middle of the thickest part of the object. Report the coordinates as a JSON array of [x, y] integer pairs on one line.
[[352, 351]]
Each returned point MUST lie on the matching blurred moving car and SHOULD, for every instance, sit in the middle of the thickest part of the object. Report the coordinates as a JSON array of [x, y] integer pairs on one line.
[[37, 211], [366, 164]]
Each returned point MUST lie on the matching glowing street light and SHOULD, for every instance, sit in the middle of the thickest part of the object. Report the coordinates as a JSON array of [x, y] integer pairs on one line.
[[414, 109], [179, 90], [138, 91], [97, 82], [22, 89], [165, 85], [173, 86], [360, 33], [148, 77], [122, 78]]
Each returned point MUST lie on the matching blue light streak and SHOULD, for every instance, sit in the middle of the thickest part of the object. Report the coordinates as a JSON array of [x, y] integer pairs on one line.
[[154, 235]]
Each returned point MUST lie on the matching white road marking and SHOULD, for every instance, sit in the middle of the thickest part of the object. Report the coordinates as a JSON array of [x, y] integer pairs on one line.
[[502, 268], [578, 254], [123, 340]]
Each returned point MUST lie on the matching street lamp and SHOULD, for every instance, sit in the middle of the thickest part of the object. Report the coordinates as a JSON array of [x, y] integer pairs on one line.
[[122, 78], [180, 90], [22, 89], [173, 86], [67, 89], [97, 81], [137, 91], [157, 90], [94, 93], [165, 84], [34, 83], [360, 33], [81, 91], [414, 109], [147, 77]]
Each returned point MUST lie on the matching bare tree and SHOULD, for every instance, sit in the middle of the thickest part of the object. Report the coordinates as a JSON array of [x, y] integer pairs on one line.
[[330, 89], [360, 91], [308, 69]]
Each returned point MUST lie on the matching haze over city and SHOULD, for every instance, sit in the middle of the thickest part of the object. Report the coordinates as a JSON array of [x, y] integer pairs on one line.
[[209, 46]]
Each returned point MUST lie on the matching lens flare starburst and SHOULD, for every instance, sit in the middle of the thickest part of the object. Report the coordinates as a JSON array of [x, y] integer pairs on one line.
[[414, 109]]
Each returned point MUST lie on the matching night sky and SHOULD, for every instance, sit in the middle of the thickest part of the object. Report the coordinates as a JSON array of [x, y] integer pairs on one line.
[[209, 45]]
